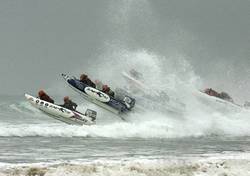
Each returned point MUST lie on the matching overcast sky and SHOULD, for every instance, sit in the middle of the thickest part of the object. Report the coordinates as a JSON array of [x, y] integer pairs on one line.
[[41, 39]]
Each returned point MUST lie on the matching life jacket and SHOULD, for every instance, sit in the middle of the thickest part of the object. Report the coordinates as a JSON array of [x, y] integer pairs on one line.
[[106, 89], [70, 105], [88, 82], [45, 97]]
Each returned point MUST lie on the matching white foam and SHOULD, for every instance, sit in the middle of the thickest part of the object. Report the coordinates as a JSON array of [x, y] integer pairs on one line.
[[150, 125], [237, 164]]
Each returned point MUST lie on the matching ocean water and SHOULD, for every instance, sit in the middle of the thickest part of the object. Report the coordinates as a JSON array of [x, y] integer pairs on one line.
[[147, 144]]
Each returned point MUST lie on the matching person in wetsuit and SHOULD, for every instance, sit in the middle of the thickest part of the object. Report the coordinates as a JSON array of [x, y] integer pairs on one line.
[[43, 96], [68, 104], [222, 95], [84, 79], [106, 89]]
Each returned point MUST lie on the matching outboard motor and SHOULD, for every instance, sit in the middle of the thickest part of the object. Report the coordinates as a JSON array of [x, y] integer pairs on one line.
[[90, 113], [129, 102], [122, 95]]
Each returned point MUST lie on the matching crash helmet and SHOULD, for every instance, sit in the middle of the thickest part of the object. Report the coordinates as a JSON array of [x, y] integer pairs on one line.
[[66, 98], [83, 76], [41, 93]]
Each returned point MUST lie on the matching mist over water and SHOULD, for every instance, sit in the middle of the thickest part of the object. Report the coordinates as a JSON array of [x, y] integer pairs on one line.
[[139, 35], [132, 43]]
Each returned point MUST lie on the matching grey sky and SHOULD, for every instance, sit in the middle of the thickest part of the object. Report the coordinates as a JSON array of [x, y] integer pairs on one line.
[[41, 39]]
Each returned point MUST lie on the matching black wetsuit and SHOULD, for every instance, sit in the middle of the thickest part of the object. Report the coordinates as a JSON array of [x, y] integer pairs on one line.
[[70, 105], [88, 82], [46, 98]]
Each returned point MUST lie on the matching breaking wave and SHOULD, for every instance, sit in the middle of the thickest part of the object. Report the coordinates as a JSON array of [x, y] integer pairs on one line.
[[233, 165], [24, 120]]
